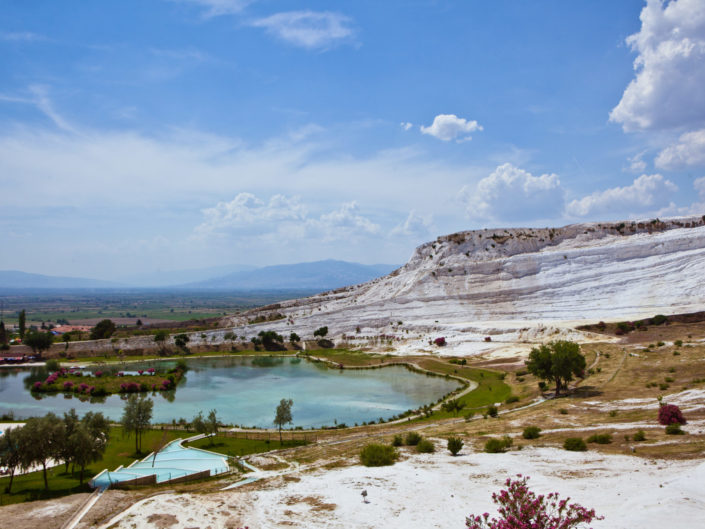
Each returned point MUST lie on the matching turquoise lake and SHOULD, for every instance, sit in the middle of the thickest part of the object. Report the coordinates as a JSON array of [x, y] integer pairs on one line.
[[246, 390]]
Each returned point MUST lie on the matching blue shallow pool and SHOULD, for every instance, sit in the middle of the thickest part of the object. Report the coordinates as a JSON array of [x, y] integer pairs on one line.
[[172, 462]]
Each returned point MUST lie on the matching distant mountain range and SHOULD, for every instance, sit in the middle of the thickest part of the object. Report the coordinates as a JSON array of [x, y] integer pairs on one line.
[[318, 275]]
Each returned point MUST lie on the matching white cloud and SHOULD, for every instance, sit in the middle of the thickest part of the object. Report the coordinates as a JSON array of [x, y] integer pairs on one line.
[[307, 29], [39, 97], [688, 151], [415, 225], [282, 218], [645, 193], [21, 36], [699, 186], [448, 127], [636, 163], [406, 125], [512, 194], [214, 8], [667, 90]]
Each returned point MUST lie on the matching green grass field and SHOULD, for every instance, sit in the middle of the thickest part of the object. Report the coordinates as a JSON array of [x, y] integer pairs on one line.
[[232, 446]]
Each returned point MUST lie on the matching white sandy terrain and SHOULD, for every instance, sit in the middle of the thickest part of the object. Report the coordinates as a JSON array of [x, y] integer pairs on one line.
[[438, 491]]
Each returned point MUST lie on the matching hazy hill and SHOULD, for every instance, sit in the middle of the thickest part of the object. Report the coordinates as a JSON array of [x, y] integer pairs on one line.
[[318, 275], [16, 279], [168, 278]]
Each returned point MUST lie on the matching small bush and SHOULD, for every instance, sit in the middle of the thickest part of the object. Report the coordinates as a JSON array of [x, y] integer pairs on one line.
[[492, 411], [663, 386], [563, 411], [660, 344], [52, 365], [678, 343], [600, 438], [425, 447], [676, 353], [412, 439], [674, 429], [397, 441], [668, 380], [511, 399], [468, 416], [378, 455], [575, 444], [639, 436], [496, 446], [531, 432], [613, 413], [455, 445], [542, 386], [669, 414]]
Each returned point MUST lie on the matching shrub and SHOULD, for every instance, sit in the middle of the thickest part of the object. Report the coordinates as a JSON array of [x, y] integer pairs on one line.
[[519, 508], [663, 386], [613, 413], [496, 446], [511, 399], [455, 445], [397, 441], [669, 414], [575, 444], [378, 455], [492, 411], [52, 365], [440, 342], [563, 411], [678, 343], [600, 438], [531, 432], [412, 439], [425, 447], [468, 416], [674, 429], [542, 386], [639, 436], [660, 344]]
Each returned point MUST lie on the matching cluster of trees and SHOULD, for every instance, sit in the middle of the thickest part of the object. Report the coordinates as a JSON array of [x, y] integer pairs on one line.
[[76, 442], [208, 425]]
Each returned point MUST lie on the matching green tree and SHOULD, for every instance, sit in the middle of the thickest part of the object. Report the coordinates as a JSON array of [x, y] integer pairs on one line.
[[102, 330], [89, 440], [160, 338], [10, 455], [180, 341], [453, 406], [70, 423], [557, 361], [23, 323], [198, 424], [283, 415], [321, 331], [3, 333], [271, 340], [137, 417], [38, 341], [212, 424], [293, 337], [66, 338], [41, 440]]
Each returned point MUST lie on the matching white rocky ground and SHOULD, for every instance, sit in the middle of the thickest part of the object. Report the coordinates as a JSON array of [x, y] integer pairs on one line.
[[438, 490], [517, 286]]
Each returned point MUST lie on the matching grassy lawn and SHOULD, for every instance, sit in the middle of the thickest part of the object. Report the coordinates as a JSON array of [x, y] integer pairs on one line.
[[120, 451], [232, 446], [350, 358]]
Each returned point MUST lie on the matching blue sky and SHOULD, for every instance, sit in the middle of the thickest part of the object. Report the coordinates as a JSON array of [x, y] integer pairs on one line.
[[165, 134]]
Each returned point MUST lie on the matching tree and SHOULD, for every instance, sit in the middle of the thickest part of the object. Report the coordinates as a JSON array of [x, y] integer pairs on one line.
[[3, 333], [453, 406], [321, 331], [283, 415], [102, 330], [160, 338], [10, 455], [271, 340], [137, 417], [38, 341], [293, 337], [180, 341], [558, 361], [198, 424], [519, 507], [212, 424], [89, 440], [23, 323], [66, 338], [40, 441], [66, 450]]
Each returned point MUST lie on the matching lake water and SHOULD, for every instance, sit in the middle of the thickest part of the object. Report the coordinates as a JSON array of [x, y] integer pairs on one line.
[[246, 391]]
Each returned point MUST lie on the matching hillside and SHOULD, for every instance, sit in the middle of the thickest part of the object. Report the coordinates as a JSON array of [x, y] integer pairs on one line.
[[514, 285], [13, 279], [318, 275]]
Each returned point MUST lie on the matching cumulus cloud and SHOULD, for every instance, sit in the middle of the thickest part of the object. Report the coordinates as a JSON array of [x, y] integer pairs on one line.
[[448, 127], [415, 225], [688, 151], [284, 218], [513, 194], [636, 163], [307, 29], [667, 90], [214, 8], [646, 193]]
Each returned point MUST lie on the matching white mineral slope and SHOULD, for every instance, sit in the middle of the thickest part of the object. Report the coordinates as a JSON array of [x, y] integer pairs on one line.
[[439, 491], [516, 285]]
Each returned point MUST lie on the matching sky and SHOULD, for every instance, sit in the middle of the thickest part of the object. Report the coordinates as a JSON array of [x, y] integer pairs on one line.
[[147, 135]]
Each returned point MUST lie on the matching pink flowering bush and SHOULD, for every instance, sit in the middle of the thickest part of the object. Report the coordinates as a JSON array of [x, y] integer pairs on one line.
[[68, 384], [98, 374], [519, 508], [37, 385], [669, 414], [150, 370], [440, 341]]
